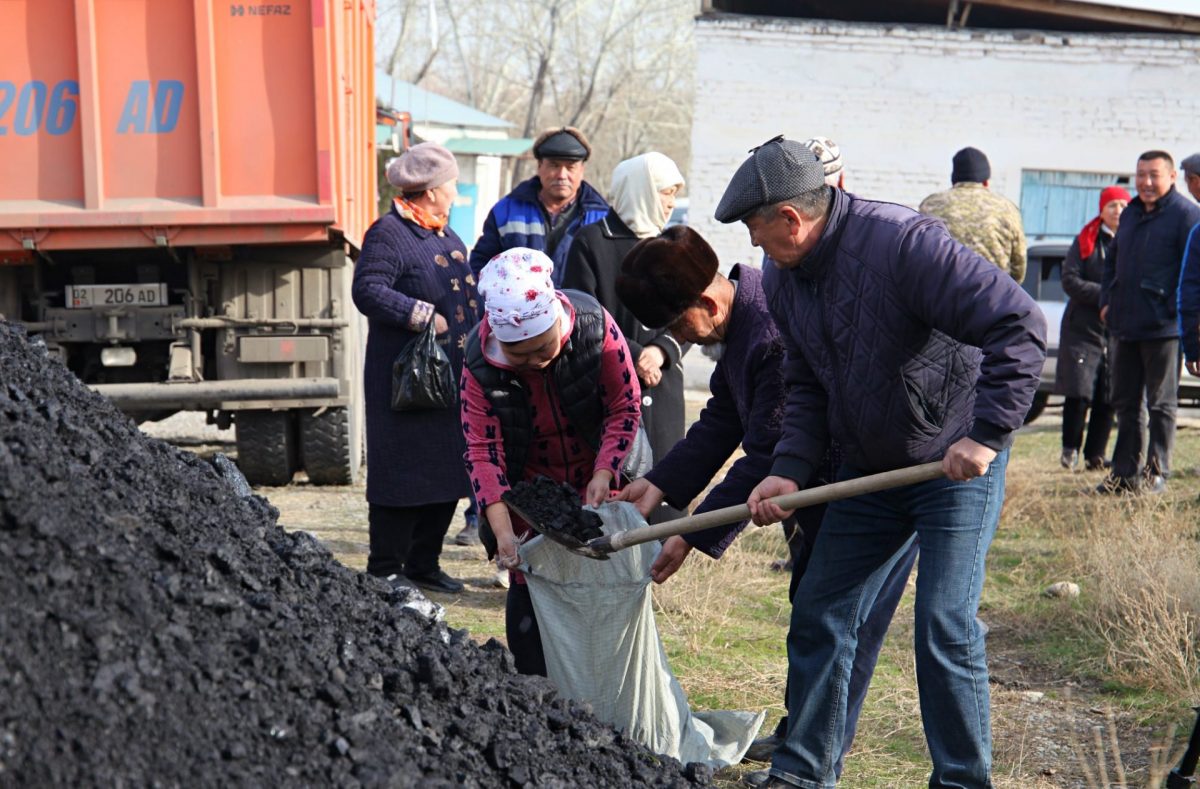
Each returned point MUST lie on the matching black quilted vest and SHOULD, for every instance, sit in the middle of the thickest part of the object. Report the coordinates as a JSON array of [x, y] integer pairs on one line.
[[576, 373]]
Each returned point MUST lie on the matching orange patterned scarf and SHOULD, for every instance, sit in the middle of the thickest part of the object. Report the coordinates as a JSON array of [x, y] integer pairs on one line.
[[415, 213]]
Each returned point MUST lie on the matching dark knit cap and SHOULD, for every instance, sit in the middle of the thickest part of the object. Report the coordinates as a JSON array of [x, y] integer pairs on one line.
[[970, 164], [661, 277], [777, 170], [564, 142]]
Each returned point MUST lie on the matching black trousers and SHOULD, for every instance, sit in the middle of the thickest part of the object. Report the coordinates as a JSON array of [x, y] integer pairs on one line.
[[521, 630], [407, 540], [1145, 371], [1099, 427]]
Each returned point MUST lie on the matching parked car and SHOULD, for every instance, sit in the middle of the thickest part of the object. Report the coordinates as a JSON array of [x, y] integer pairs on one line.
[[679, 215], [1043, 281]]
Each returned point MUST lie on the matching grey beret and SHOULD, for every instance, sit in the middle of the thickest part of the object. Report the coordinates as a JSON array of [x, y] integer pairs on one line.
[[777, 170], [423, 166], [1191, 164]]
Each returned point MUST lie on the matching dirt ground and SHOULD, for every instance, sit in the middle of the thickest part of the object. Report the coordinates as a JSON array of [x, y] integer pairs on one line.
[[1040, 720]]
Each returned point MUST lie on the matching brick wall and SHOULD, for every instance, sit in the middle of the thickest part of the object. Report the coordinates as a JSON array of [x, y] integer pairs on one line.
[[900, 100]]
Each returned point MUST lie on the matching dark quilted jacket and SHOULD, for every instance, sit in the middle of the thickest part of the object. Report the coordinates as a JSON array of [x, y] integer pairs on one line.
[[899, 341]]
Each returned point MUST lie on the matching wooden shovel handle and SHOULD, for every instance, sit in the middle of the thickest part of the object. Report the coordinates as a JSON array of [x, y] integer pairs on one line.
[[789, 501]]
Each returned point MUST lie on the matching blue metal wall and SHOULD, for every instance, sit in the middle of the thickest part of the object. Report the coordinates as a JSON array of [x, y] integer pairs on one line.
[[1061, 203]]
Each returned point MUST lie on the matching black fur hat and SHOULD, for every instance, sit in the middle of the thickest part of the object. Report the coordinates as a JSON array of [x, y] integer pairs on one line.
[[663, 276]]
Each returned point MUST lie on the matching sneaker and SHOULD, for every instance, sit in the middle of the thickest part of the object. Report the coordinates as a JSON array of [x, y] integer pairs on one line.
[[437, 581], [781, 566], [763, 748], [1154, 484], [469, 534], [501, 579], [1069, 459], [1098, 463], [400, 581]]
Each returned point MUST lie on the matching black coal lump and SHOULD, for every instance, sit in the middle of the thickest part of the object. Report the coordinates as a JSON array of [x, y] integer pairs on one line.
[[555, 507]]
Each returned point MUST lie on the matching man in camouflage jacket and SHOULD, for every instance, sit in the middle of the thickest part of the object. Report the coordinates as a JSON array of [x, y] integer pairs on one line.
[[977, 216]]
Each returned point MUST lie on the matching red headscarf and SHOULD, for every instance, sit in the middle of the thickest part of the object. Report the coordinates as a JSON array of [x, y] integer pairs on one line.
[[1087, 237]]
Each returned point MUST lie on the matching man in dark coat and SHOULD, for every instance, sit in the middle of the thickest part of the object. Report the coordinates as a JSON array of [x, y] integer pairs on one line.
[[672, 281], [904, 346], [1138, 302], [546, 211]]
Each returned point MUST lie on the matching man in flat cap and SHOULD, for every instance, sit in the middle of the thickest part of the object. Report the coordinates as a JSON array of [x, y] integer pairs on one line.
[[672, 282], [905, 347], [546, 211], [986, 222]]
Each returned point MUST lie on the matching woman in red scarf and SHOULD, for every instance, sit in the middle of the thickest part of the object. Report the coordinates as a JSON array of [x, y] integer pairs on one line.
[[1082, 375]]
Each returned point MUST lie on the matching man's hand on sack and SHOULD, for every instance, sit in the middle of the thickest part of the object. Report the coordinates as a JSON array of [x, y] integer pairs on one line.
[[674, 551], [597, 489], [643, 494], [764, 512], [967, 459], [439, 324]]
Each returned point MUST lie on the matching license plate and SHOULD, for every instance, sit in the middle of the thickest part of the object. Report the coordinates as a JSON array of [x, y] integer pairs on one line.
[[141, 295]]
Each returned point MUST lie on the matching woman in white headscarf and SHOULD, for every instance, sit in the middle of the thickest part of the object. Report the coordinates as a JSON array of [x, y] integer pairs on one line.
[[642, 196]]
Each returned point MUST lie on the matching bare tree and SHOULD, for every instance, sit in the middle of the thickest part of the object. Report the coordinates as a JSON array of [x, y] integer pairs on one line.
[[621, 70]]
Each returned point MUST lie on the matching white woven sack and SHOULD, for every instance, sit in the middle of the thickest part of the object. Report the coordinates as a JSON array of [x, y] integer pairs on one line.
[[602, 647]]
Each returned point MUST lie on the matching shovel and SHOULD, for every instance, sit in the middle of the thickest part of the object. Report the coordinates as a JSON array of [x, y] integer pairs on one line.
[[600, 547]]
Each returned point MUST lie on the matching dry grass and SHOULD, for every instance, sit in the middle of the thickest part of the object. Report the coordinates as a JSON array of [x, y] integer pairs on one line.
[[1145, 600]]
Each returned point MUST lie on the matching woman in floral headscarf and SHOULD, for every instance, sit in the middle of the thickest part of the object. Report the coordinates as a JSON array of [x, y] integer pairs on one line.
[[549, 389]]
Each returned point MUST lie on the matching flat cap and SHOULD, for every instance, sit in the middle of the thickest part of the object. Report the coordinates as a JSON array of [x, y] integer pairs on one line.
[[1191, 164], [564, 142], [777, 170], [424, 166]]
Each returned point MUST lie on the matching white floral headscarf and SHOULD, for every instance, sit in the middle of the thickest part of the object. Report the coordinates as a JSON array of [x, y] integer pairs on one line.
[[519, 295]]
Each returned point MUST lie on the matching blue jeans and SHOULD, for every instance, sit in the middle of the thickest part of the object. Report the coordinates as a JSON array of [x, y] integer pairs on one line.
[[870, 635], [860, 543]]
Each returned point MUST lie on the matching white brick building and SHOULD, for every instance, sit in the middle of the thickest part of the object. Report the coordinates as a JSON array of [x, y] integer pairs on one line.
[[901, 98]]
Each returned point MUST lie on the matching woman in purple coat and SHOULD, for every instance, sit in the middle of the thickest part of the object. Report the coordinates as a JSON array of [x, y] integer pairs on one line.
[[413, 270]]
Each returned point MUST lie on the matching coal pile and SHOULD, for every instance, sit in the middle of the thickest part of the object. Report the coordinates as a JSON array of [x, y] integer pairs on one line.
[[157, 627], [554, 507]]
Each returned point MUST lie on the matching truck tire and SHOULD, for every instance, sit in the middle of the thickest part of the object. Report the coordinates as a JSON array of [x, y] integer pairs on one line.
[[326, 446], [266, 445]]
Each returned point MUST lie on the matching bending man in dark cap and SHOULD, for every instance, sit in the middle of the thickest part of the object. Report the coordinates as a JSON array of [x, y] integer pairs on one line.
[[546, 211], [978, 217], [904, 347], [672, 282]]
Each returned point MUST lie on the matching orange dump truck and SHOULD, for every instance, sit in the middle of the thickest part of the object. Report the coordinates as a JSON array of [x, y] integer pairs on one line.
[[183, 187]]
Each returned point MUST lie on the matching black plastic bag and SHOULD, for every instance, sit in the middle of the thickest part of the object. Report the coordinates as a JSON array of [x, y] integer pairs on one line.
[[421, 376]]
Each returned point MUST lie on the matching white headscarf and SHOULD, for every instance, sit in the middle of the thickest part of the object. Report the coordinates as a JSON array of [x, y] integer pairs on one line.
[[636, 183], [519, 293]]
